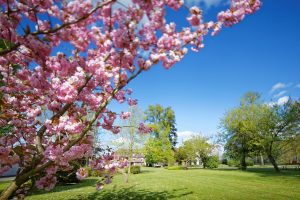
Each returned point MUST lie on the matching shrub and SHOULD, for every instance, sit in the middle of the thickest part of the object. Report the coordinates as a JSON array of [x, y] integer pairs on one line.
[[249, 162], [233, 163], [175, 168], [93, 173], [134, 169], [212, 162]]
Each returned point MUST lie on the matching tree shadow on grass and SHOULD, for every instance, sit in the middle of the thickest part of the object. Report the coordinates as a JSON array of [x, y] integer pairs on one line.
[[268, 172], [134, 194], [65, 187]]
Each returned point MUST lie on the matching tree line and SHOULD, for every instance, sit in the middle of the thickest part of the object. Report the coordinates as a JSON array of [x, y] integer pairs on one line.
[[259, 128]]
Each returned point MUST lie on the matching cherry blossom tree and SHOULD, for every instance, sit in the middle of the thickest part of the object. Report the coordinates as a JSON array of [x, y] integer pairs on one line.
[[60, 60]]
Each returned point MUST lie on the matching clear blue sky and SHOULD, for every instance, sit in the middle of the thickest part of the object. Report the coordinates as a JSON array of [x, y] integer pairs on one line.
[[254, 55]]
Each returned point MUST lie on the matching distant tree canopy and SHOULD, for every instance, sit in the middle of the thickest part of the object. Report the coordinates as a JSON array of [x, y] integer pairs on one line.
[[194, 148], [158, 150], [162, 122], [255, 126]]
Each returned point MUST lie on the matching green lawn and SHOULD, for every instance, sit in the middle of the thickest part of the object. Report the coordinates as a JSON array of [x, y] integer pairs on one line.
[[186, 184]]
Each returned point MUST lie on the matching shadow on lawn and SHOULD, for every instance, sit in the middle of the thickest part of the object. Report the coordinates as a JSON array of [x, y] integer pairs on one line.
[[65, 187], [268, 172], [135, 194]]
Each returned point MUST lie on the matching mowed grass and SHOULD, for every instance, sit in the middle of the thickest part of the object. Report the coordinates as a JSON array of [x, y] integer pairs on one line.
[[191, 184]]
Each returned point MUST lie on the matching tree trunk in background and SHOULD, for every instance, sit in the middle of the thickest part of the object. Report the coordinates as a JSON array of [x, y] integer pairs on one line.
[[273, 161], [125, 177], [243, 161], [261, 159]]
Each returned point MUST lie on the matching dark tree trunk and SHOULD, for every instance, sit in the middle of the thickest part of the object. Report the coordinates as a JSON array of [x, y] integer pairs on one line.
[[244, 153], [243, 161], [274, 163]]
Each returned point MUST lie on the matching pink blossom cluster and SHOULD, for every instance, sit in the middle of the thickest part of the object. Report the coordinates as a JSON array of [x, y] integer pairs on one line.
[[236, 13], [82, 173], [125, 115], [48, 181], [144, 129], [65, 61], [107, 167]]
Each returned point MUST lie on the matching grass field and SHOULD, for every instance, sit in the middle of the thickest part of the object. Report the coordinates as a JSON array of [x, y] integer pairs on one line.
[[151, 184]]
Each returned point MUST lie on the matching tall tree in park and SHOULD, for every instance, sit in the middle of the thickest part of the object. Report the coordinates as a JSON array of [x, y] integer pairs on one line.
[[259, 127], [279, 129], [70, 58], [159, 150], [240, 127], [162, 121]]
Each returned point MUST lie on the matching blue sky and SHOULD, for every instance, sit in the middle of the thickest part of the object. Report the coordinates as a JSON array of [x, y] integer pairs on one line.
[[261, 52]]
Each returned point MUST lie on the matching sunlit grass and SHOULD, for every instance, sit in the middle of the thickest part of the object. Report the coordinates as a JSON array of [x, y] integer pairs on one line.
[[256, 183]]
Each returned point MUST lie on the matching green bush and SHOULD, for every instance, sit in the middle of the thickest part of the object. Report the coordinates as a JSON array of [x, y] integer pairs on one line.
[[93, 173], [134, 169], [212, 162], [233, 163], [249, 162], [176, 168]]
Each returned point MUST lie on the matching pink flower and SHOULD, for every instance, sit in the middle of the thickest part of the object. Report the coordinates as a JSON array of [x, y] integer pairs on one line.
[[195, 17], [102, 52], [47, 182], [144, 129], [81, 174], [125, 115], [132, 102]]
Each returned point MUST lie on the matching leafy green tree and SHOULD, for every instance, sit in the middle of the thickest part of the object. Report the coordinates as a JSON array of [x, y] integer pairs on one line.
[[159, 150], [279, 129], [291, 151], [258, 128], [211, 162], [180, 155], [240, 127], [162, 121], [197, 147]]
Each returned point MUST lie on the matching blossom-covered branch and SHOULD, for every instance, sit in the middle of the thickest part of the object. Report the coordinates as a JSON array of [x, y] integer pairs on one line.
[[63, 62]]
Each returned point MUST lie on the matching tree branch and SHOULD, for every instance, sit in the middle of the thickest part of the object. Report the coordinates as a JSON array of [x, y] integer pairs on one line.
[[65, 108], [74, 22], [12, 48], [100, 109]]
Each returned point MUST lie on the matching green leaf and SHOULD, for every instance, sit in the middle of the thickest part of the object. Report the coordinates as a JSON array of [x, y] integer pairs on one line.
[[4, 44], [15, 67]]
